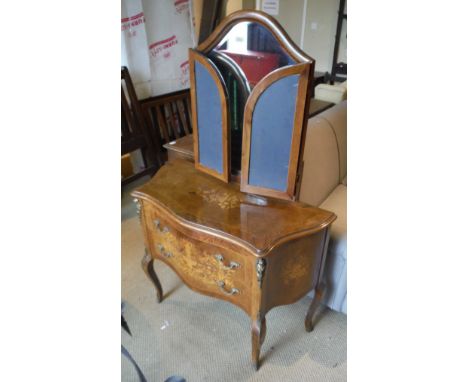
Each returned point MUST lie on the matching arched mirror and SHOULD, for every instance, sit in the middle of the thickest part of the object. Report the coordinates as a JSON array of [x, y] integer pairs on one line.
[[263, 80], [254, 49]]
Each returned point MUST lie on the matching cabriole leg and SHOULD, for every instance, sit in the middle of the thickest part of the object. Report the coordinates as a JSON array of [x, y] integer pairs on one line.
[[319, 293], [147, 265], [258, 336]]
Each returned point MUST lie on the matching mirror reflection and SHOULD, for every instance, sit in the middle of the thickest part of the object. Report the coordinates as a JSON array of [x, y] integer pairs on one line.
[[255, 49], [247, 54]]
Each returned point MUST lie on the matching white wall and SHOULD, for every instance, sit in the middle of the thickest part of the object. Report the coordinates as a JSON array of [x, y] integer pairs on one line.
[[319, 32], [319, 28], [290, 17]]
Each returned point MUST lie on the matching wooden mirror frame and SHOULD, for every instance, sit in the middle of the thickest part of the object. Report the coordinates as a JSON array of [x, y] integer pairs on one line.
[[304, 66], [259, 17], [300, 115], [222, 92]]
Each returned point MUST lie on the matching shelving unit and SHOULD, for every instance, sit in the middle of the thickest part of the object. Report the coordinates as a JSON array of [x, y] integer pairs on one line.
[[339, 68]]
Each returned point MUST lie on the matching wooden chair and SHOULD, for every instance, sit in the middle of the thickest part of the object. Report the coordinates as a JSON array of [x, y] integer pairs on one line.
[[169, 117], [134, 132]]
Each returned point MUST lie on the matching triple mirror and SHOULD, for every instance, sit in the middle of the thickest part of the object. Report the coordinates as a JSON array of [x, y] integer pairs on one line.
[[249, 87]]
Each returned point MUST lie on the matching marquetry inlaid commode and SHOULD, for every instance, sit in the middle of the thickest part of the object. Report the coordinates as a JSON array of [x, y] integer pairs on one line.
[[205, 263], [255, 252]]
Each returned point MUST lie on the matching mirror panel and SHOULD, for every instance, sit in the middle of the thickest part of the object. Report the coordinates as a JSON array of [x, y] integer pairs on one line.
[[210, 117], [209, 120], [272, 128]]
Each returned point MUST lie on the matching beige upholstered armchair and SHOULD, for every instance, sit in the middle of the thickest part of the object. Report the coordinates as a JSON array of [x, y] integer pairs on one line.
[[324, 184]]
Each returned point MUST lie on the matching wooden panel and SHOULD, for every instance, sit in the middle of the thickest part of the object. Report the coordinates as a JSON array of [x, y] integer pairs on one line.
[[210, 121], [288, 278]]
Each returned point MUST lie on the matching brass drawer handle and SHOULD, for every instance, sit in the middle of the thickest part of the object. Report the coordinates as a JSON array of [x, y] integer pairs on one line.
[[232, 292], [165, 254], [232, 264], [157, 223]]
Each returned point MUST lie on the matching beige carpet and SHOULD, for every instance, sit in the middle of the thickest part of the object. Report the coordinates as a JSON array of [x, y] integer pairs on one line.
[[204, 339]]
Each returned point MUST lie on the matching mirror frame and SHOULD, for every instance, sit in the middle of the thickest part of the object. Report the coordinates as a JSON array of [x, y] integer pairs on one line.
[[303, 71], [222, 92], [304, 66], [262, 18]]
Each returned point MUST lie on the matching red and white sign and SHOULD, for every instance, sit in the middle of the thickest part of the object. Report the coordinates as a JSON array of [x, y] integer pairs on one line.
[[130, 22], [156, 37], [181, 6], [163, 48]]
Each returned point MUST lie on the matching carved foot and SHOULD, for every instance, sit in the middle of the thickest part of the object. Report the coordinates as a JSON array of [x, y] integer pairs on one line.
[[258, 336], [319, 293], [147, 265]]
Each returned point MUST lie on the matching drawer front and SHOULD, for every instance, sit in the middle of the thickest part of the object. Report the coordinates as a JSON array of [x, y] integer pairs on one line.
[[203, 266]]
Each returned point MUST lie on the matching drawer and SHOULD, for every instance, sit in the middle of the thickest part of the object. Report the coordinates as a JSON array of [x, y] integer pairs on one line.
[[203, 266]]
